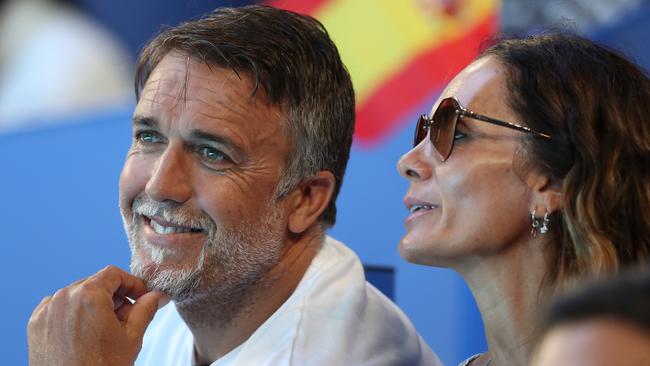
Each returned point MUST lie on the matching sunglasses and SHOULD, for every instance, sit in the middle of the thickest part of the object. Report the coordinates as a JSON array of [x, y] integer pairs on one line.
[[441, 127]]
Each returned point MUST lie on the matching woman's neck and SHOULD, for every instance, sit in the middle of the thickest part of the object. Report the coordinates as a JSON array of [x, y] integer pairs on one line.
[[508, 291]]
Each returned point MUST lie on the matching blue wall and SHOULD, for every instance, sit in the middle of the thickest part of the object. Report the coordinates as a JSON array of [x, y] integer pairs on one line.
[[59, 220]]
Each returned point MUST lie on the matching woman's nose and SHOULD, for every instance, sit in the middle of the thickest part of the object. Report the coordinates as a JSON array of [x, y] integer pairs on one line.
[[412, 166]]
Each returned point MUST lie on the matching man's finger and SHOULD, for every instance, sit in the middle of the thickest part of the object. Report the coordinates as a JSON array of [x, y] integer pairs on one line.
[[164, 300], [117, 281], [141, 313], [37, 311], [123, 311], [43, 302], [77, 282]]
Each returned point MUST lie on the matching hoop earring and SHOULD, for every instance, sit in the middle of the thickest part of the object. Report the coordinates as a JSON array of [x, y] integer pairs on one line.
[[534, 223], [537, 225], [544, 228]]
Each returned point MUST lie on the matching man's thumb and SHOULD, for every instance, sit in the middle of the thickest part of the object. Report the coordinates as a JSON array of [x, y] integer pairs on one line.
[[142, 313]]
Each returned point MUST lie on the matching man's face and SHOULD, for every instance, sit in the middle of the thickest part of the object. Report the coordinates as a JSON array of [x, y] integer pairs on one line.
[[196, 191]]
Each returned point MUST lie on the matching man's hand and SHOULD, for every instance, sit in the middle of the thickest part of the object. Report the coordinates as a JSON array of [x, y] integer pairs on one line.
[[92, 322]]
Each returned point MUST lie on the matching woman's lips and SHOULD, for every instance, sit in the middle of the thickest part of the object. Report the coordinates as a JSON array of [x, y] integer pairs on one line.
[[419, 210]]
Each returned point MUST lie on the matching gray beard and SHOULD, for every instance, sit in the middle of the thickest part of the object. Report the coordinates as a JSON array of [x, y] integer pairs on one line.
[[232, 261]]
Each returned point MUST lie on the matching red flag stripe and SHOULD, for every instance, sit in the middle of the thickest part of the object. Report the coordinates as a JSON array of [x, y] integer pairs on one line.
[[299, 6]]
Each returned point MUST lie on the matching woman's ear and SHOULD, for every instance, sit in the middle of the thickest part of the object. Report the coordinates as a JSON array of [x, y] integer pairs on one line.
[[546, 192], [308, 200]]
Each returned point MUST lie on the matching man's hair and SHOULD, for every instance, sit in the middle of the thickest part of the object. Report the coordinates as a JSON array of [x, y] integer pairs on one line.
[[625, 298], [594, 103], [293, 59]]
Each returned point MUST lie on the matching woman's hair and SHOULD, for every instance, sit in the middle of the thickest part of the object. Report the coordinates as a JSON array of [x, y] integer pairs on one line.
[[595, 104]]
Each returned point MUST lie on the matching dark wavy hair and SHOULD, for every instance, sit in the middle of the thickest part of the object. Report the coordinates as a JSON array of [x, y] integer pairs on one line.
[[596, 105], [291, 57]]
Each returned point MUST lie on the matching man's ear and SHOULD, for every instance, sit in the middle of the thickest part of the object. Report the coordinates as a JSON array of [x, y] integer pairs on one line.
[[546, 193], [308, 200]]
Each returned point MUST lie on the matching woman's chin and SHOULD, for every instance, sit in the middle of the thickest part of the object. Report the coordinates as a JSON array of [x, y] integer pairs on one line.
[[426, 254], [412, 252]]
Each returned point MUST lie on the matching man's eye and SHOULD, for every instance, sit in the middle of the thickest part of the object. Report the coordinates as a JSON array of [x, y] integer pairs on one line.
[[147, 137], [213, 155]]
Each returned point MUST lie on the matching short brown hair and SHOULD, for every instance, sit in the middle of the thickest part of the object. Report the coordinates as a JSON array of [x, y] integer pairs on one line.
[[293, 58]]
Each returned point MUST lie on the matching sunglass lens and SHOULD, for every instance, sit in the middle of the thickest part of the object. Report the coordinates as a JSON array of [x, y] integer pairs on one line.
[[420, 130], [442, 129]]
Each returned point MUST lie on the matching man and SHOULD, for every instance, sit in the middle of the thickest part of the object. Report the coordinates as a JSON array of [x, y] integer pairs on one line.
[[241, 136], [604, 323]]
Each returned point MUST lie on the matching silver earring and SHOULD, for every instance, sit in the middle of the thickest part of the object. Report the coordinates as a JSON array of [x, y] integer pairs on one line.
[[544, 228], [534, 223]]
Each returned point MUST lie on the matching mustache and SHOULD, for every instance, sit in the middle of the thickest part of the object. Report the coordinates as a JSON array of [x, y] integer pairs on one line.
[[174, 213]]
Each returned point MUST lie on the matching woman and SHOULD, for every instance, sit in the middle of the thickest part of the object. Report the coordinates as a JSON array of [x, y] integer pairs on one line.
[[533, 171]]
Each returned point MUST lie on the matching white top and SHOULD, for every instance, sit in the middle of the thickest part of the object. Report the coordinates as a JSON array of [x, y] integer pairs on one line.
[[334, 317]]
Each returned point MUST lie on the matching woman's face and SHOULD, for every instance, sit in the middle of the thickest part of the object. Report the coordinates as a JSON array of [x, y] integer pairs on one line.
[[474, 204]]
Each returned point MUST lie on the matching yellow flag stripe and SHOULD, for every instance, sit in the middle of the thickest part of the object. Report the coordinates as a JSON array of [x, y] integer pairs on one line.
[[377, 38]]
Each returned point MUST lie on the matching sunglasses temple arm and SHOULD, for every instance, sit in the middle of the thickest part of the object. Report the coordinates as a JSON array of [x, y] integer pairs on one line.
[[513, 126]]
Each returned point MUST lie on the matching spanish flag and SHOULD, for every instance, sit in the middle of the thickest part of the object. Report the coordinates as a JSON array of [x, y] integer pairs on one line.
[[400, 53]]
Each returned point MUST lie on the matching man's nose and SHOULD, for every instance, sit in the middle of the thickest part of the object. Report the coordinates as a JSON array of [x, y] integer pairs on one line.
[[170, 179]]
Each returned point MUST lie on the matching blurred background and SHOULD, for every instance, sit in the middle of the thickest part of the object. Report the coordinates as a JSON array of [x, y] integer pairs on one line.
[[66, 99]]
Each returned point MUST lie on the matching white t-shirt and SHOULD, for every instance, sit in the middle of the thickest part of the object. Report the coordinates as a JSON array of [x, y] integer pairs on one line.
[[334, 317]]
